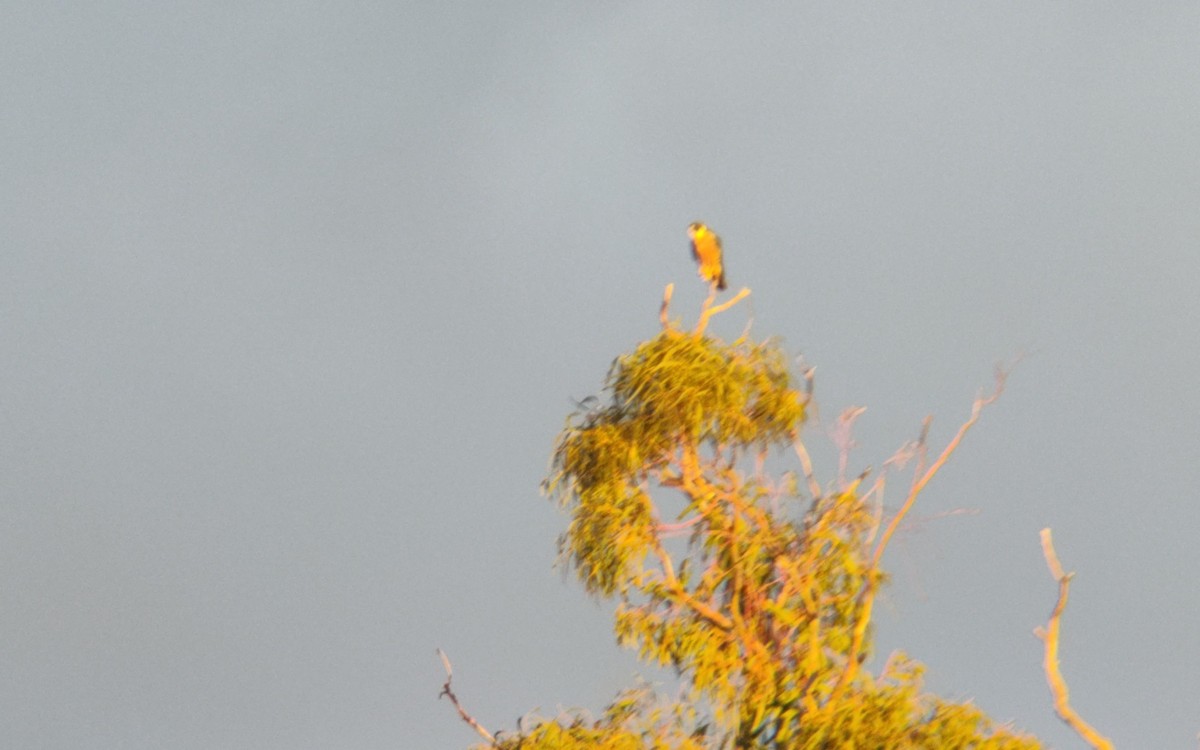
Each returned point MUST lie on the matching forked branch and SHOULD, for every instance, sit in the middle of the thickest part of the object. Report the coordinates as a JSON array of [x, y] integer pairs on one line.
[[708, 310], [1049, 636], [666, 303], [920, 480]]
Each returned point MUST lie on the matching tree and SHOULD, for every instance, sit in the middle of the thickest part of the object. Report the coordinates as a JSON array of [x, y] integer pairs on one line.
[[755, 586]]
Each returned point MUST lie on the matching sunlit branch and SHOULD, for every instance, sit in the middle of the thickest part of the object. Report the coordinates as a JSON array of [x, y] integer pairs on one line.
[[686, 482], [931, 472], [671, 529], [1050, 636], [749, 324], [684, 597], [871, 587], [814, 487], [707, 311], [735, 500], [876, 489]]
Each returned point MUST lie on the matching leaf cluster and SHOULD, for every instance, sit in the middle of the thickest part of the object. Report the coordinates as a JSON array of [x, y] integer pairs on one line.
[[762, 609], [674, 392]]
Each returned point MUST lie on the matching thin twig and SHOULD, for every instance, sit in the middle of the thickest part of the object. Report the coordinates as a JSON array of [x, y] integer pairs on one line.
[[877, 490], [843, 438], [814, 487], [874, 577], [1049, 636], [922, 449], [749, 324], [462, 712], [810, 375], [923, 479]]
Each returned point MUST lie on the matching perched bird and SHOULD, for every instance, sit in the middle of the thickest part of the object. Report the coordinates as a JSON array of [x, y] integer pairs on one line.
[[706, 249]]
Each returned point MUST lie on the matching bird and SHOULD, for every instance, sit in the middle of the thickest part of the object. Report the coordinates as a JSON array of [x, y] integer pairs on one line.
[[706, 249]]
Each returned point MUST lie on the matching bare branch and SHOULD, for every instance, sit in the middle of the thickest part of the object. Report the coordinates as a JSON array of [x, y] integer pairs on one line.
[[1050, 636], [809, 375], [1055, 566], [662, 311], [749, 324], [814, 487], [877, 490], [843, 438], [707, 311], [867, 597], [668, 530], [462, 712], [923, 479], [922, 449], [806, 463]]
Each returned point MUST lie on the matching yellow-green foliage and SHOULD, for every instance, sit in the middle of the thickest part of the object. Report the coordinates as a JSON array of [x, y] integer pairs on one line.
[[637, 720], [757, 607], [678, 386], [675, 391]]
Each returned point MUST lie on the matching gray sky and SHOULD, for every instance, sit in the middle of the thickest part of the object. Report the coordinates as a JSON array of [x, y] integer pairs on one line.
[[295, 297]]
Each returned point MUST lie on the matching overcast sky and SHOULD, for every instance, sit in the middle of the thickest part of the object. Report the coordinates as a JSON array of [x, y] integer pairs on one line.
[[294, 297]]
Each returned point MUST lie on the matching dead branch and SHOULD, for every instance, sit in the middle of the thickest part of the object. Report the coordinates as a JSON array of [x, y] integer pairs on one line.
[[749, 324], [923, 479], [1050, 636], [462, 712], [843, 438], [871, 587], [662, 311], [876, 491], [814, 487], [707, 311]]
